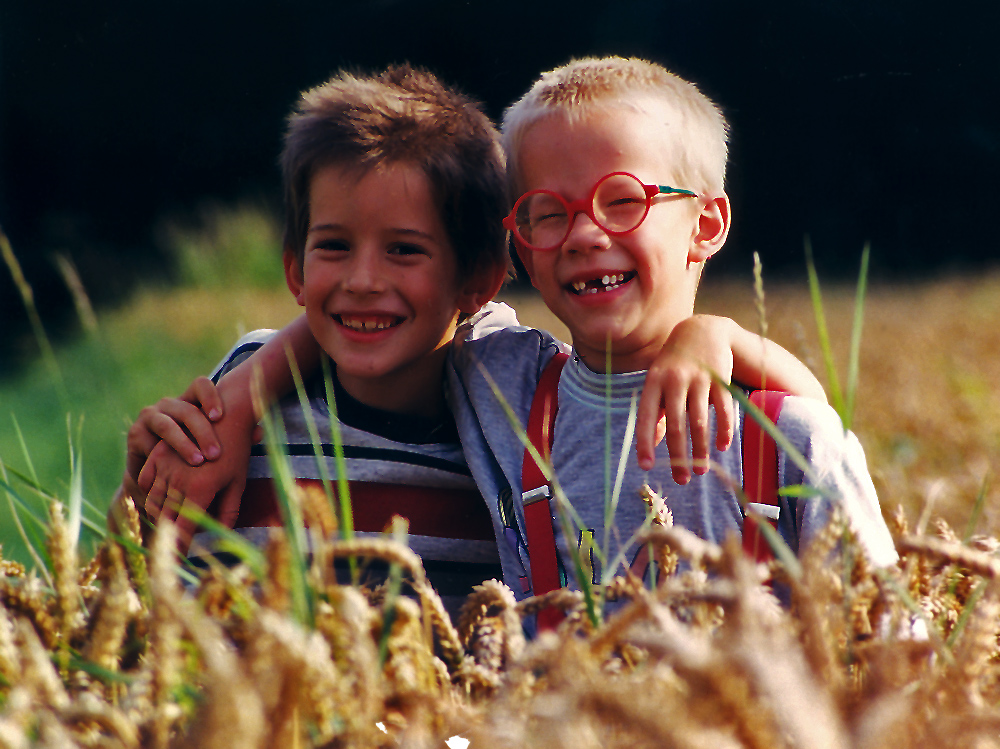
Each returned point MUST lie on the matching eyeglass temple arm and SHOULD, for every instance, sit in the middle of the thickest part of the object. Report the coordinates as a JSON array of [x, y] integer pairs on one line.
[[667, 190]]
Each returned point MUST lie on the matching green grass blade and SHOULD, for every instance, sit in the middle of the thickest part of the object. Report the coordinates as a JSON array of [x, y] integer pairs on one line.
[[105, 675], [567, 516], [977, 510], [28, 300], [75, 498], [836, 394], [612, 508], [854, 362], [343, 488], [345, 513], [801, 491], [18, 505], [310, 420], [95, 524], [77, 291], [303, 605], [607, 424], [394, 585], [229, 540], [780, 439], [620, 558], [24, 450], [782, 552], [963, 617]]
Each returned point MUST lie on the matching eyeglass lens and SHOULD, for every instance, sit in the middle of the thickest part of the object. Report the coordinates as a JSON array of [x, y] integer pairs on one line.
[[619, 205]]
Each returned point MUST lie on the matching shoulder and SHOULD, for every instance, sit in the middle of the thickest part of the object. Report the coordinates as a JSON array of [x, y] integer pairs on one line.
[[809, 417], [242, 349], [494, 337], [816, 431]]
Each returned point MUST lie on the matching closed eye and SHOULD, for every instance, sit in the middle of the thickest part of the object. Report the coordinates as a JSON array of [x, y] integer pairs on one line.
[[332, 245], [406, 249]]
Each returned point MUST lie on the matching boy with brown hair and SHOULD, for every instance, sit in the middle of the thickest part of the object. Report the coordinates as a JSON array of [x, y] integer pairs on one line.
[[393, 185]]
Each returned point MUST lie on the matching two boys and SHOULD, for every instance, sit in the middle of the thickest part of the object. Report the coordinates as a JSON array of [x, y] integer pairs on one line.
[[621, 164]]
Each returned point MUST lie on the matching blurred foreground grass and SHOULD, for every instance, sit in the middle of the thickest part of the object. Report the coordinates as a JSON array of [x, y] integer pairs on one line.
[[928, 409]]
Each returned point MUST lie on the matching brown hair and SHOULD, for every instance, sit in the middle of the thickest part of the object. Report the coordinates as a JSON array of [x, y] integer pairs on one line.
[[403, 114]]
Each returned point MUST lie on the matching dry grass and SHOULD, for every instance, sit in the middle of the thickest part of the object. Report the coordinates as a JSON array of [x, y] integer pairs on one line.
[[113, 652], [117, 654]]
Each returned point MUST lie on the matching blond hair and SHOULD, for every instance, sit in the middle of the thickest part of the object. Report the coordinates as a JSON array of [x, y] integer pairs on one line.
[[580, 86]]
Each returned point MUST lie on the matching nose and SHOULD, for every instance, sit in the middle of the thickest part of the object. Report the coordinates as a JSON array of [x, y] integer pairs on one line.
[[584, 234], [363, 273]]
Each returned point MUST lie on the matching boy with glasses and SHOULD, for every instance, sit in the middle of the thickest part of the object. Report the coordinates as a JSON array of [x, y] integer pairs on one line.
[[619, 166]]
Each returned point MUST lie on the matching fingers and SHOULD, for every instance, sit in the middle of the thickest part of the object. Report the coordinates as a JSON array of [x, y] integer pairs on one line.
[[160, 501], [163, 422], [681, 398], [204, 393], [186, 527], [647, 425], [186, 421], [697, 411], [725, 416], [229, 502]]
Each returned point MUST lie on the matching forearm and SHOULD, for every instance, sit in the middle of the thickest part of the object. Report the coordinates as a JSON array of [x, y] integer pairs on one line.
[[762, 363], [267, 374]]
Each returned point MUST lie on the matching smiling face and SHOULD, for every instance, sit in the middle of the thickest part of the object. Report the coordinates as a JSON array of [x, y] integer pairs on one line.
[[380, 284], [631, 289]]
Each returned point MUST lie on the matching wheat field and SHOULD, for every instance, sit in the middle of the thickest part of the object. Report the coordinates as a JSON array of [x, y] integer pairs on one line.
[[110, 650]]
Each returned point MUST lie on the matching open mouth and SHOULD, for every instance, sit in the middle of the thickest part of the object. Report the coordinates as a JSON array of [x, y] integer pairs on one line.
[[368, 323], [602, 284]]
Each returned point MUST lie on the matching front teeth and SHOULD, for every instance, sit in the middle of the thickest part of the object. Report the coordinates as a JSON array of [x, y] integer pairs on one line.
[[607, 282], [366, 325]]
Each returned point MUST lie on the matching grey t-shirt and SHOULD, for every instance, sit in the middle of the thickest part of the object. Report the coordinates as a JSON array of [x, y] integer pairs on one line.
[[592, 405]]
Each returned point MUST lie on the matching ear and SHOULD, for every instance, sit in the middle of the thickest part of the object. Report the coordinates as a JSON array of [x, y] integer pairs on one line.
[[294, 277], [712, 229], [480, 288]]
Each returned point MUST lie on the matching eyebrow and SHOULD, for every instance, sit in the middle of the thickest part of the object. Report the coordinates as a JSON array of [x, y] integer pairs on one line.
[[406, 232]]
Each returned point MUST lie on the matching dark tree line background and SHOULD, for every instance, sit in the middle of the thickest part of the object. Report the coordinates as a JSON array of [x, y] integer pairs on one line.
[[853, 121]]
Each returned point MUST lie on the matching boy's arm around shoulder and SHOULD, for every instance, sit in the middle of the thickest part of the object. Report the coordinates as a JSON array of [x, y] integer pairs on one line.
[[254, 373], [762, 363], [837, 467], [246, 388], [702, 355]]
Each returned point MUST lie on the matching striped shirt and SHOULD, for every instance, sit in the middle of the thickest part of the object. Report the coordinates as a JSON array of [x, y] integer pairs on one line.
[[396, 464]]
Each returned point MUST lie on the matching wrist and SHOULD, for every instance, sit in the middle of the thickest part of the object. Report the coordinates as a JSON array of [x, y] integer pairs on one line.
[[238, 402]]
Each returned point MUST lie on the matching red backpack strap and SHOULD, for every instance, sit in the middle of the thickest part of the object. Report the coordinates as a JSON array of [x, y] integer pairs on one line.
[[536, 491], [760, 474]]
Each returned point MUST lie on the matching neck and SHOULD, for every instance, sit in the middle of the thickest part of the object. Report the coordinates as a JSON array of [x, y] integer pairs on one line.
[[415, 391], [617, 363]]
